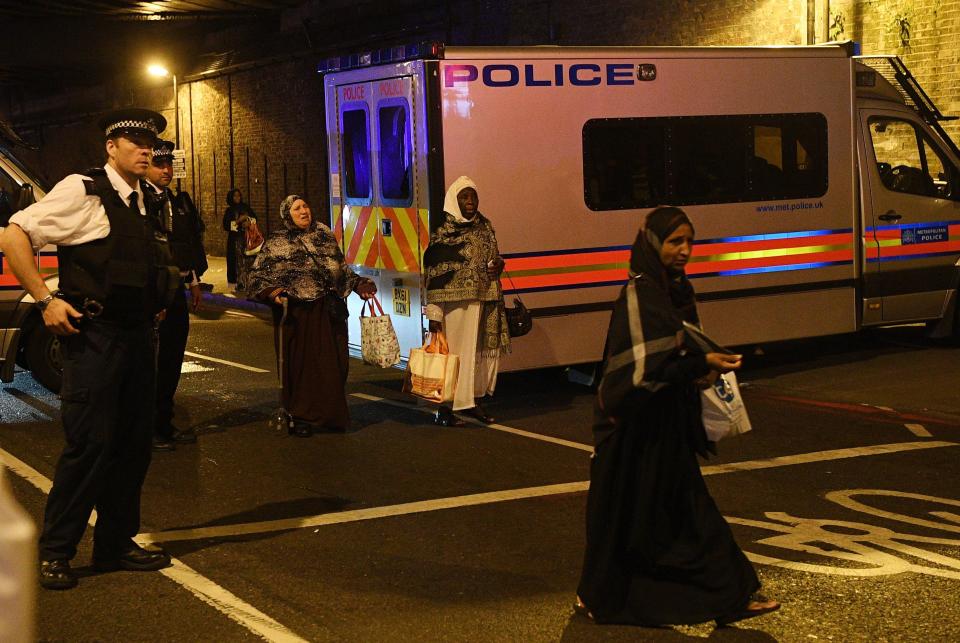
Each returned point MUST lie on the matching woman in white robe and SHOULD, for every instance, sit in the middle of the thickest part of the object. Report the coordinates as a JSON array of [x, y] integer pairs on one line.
[[463, 266]]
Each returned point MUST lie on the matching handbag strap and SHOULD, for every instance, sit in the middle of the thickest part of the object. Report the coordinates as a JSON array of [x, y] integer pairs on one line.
[[373, 312], [513, 286], [438, 344]]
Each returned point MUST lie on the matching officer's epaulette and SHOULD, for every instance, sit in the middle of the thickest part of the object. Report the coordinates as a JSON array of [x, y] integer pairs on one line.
[[93, 173]]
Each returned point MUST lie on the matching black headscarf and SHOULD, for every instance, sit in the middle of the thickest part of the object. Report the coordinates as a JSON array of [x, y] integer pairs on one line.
[[645, 258], [230, 194], [647, 322]]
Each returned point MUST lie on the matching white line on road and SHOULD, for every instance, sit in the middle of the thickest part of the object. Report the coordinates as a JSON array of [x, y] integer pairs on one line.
[[495, 427], [371, 513], [918, 430], [253, 369], [203, 588], [822, 456]]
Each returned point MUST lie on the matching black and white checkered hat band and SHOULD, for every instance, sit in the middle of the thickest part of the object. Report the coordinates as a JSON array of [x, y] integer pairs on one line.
[[150, 126]]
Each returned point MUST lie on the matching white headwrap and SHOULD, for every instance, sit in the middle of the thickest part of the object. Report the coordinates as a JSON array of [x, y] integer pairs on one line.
[[450, 203]]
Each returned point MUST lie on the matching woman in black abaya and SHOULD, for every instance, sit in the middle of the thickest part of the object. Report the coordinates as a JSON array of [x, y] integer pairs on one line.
[[658, 550]]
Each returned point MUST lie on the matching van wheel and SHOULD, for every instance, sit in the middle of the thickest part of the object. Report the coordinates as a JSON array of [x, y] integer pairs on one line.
[[43, 357]]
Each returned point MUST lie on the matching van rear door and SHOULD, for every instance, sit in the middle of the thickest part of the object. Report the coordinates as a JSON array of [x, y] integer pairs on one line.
[[914, 206], [378, 187]]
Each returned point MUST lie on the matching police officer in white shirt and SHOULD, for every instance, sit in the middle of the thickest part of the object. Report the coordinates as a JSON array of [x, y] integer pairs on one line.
[[116, 276], [184, 229]]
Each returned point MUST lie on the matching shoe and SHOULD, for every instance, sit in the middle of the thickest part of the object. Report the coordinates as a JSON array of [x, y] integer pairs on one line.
[[445, 417], [186, 436], [478, 413], [163, 443], [133, 559], [302, 430], [56, 574], [747, 612], [580, 608]]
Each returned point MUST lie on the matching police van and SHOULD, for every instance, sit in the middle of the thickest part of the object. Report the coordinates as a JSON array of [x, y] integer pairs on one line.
[[824, 190], [23, 337]]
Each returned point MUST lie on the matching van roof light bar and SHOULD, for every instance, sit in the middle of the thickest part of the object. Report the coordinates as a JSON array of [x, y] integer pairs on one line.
[[395, 54]]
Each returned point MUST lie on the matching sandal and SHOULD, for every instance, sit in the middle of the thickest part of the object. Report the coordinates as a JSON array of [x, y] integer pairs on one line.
[[580, 608], [757, 605]]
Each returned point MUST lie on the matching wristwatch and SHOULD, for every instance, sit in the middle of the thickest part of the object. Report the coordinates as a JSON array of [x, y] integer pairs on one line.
[[43, 303]]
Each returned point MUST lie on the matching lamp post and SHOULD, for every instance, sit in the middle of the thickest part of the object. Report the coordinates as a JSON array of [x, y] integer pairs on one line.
[[160, 71]]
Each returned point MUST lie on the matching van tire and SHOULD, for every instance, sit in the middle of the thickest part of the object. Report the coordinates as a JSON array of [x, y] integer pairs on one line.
[[42, 353]]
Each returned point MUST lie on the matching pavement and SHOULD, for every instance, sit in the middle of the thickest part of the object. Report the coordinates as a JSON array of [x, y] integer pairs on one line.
[[222, 294]]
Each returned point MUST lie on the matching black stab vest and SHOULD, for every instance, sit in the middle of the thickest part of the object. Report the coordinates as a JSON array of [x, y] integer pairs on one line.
[[181, 230], [130, 271]]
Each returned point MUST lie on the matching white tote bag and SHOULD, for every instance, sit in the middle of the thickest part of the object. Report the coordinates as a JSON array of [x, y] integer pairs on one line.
[[723, 410], [432, 371], [378, 340]]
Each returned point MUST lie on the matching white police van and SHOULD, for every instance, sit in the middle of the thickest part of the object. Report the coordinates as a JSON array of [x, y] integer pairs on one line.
[[824, 191], [23, 337]]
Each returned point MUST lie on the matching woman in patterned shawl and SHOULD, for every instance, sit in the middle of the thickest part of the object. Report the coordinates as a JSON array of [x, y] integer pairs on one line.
[[658, 550], [304, 266], [463, 266]]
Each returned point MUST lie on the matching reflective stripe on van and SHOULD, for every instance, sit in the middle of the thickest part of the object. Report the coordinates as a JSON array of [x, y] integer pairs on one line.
[[728, 256]]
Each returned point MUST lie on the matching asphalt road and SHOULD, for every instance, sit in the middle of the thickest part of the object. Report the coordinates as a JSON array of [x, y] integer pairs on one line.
[[845, 496]]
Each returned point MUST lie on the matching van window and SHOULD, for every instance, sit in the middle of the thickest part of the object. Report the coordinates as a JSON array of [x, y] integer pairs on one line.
[[395, 153], [644, 162], [908, 162], [354, 135]]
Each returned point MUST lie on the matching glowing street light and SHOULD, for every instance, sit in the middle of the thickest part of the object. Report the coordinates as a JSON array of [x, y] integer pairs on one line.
[[158, 70]]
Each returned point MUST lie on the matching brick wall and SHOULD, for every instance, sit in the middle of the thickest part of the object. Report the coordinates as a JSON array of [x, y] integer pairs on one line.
[[270, 118]]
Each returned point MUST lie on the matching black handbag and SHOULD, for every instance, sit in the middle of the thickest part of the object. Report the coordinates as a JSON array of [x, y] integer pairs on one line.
[[519, 319]]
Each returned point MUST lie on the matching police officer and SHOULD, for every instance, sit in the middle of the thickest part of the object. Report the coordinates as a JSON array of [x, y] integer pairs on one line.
[[116, 275], [184, 229]]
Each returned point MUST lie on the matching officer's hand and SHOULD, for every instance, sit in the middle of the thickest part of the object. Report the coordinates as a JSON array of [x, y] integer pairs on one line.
[[58, 315], [160, 316], [196, 295], [723, 363]]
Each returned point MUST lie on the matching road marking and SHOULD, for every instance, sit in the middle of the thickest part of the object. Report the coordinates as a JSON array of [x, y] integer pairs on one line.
[[496, 427], [203, 588], [455, 502], [918, 430], [370, 513], [236, 313], [193, 367], [253, 369], [822, 456]]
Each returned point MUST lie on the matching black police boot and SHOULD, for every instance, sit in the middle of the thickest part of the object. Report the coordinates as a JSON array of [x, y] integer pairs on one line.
[[133, 558], [57, 574]]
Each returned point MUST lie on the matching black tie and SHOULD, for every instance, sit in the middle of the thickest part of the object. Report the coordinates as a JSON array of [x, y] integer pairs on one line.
[[133, 203]]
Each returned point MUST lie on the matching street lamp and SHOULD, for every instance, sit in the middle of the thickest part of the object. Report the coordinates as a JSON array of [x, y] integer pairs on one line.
[[162, 72]]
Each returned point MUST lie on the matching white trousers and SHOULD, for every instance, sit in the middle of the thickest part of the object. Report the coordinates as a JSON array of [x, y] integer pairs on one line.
[[478, 374]]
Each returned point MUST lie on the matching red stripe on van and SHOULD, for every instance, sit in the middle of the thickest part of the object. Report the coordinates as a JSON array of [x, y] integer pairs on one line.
[[362, 217]]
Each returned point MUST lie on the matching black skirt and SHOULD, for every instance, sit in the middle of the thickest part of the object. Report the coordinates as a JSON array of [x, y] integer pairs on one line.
[[658, 550]]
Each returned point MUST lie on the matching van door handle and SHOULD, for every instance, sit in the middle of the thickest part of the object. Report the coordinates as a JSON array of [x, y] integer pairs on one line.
[[890, 216]]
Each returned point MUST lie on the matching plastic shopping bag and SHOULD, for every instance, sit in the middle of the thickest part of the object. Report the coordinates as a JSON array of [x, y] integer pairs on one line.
[[723, 411]]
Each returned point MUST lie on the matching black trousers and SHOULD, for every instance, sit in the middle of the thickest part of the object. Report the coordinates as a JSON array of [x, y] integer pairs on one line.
[[173, 342], [107, 411]]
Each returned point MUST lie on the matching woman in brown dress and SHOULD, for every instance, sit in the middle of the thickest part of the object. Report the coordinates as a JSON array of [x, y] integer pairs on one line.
[[304, 267]]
